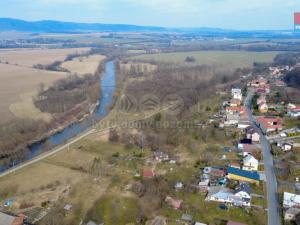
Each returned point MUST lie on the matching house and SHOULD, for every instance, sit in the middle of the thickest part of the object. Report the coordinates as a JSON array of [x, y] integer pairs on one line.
[[270, 124], [219, 194], [285, 146], [243, 175], [148, 173], [237, 93], [160, 156], [294, 112], [263, 107], [250, 163], [243, 192], [187, 218], [215, 172], [68, 207], [261, 99], [235, 109], [178, 186], [235, 165], [280, 83], [243, 124], [291, 200], [252, 134], [235, 102], [235, 223], [6, 219], [175, 203], [231, 119], [225, 195], [291, 214], [249, 149]]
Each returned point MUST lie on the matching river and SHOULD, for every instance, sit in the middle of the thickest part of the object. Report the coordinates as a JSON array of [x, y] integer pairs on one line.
[[107, 84]]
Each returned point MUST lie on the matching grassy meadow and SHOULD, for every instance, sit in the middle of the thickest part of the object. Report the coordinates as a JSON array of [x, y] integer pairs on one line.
[[228, 58]]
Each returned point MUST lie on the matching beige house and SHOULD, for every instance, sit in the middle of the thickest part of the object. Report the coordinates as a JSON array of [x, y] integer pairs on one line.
[[250, 163]]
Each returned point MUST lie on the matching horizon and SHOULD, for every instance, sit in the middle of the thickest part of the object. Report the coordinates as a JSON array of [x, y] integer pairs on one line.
[[248, 15], [155, 26]]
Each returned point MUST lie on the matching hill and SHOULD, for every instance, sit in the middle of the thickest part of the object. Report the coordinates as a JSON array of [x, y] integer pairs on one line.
[[8, 24]]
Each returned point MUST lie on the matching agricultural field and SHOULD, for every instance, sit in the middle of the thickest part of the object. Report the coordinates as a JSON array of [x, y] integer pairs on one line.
[[19, 81], [30, 57], [17, 87], [67, 178], [224, 58], [83, 65]]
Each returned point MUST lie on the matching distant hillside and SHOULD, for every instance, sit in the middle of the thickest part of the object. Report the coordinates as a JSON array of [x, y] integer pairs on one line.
[[52, 26], [7, 24]]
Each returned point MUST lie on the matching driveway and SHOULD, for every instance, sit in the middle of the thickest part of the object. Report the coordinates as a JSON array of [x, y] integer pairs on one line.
[[272, 197]]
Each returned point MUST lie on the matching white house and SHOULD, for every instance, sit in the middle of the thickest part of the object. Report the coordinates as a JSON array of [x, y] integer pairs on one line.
[[294, 112], [243, 191], [287, 147], [250, 163], [237, 93], [291, 200], [225, 195], [231, 120], [243, 124]]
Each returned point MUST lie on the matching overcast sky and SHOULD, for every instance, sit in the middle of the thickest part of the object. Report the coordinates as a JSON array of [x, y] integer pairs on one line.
[[235, 14]]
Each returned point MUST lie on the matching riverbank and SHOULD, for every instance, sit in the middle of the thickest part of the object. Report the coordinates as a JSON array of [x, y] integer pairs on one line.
[[77, 125]]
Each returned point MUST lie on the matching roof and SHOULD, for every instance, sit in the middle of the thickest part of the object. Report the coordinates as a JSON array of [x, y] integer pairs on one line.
[[251, 130], [175, 203], [186, 217], [293, 211], [148, 173], [67, 207], [250, 159], [235, 108], [235, 223], [250, 148], [19, 220], [270, 122], [219, 191], [291, 199], [6, 219], [243, 187], [197, 223], [243, 173]]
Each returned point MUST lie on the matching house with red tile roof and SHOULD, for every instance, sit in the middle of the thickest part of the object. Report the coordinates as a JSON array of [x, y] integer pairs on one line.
[[175, 203], [270, 124], [148, 173]]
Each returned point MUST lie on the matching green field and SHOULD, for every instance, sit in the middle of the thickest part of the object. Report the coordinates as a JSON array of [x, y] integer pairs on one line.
[[233, 58]]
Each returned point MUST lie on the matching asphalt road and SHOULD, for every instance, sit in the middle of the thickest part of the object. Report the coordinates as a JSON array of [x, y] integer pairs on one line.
[[47, 154], [271, 184]]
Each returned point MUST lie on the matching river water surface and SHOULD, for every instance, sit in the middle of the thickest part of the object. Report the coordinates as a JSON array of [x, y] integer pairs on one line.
[[107, 90]]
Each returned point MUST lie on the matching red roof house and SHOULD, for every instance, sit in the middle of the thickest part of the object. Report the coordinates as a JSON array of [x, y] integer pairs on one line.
[[148, 173], [270, 124]]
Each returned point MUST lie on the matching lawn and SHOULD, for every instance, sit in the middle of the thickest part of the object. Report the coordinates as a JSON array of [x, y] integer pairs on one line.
[[229, 58]]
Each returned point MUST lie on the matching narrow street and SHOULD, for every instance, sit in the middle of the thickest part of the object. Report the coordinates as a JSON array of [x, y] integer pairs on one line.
[[271, 184]]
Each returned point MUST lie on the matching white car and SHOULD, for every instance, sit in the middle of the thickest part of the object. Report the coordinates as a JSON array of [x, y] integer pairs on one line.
[[283, 134]]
